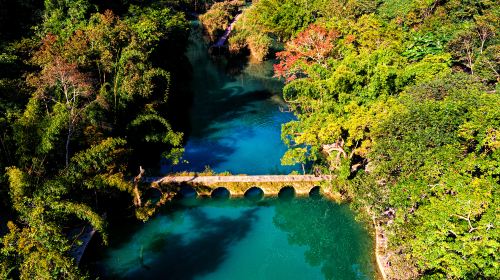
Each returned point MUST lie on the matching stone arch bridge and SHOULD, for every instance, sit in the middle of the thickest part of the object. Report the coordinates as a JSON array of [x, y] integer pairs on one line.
[[238, 185]]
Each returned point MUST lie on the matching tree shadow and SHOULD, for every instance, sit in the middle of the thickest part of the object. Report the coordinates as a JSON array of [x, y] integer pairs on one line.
[[209, 143], [225, 107], [200, 153], [175, 256]]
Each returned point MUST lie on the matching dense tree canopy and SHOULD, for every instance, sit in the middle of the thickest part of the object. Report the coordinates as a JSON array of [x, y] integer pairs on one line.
[[219, 16], [399, 100], [79, 94]]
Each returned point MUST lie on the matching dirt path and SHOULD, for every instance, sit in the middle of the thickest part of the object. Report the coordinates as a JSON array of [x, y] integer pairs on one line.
[[226, 34]]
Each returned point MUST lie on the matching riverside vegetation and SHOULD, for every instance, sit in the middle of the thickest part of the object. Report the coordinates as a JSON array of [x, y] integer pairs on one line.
[[81, 93], [397, 98], [400, 100]]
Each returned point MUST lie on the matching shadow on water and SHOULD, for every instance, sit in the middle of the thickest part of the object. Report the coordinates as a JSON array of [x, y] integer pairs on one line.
[[187, 192], [220, 193], [287, 193], [254, 194], [201, 153], [178, 257], [223, 86], [199, 241], [315, 193]]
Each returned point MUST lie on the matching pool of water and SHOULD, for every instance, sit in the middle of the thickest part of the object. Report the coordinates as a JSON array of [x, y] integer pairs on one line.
[[235, 116], [239, 239]]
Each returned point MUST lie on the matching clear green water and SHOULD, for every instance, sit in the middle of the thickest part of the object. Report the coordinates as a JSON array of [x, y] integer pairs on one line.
[[238, 239]]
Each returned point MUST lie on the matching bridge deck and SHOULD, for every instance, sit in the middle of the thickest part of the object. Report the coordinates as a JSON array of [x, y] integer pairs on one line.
[[239, 184], [244, 179]]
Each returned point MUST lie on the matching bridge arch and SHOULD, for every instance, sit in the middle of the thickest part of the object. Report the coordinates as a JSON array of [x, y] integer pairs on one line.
[[287, 193], [187, 192], [254, 194], [220, 193], [315, 192]]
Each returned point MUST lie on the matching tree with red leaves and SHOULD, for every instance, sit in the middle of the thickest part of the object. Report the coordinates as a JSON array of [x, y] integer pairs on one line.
[[62, 85], [311, 46]]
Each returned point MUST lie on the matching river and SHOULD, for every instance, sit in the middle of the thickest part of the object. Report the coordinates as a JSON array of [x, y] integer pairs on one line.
[[235, 126]]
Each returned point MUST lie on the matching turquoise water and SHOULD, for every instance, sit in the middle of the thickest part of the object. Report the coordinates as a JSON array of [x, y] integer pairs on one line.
[[235, 116], [238, 239]]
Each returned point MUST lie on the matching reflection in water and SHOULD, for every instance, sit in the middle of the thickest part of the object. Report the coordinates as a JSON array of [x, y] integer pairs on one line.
[[330, 234], [240, 239]]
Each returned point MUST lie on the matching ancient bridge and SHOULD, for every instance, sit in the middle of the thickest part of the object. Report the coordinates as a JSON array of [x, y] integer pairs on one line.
[[239, 185]]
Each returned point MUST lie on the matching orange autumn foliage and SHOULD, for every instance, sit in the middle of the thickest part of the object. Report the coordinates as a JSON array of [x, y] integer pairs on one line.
[[311, 46]]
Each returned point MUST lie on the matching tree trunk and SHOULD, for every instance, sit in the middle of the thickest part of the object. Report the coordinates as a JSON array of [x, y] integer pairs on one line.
[[68, 138], [137, 194]]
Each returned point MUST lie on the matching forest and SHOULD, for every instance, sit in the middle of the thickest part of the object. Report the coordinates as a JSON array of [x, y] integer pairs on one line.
[[397, 98], [84, 87], [400, 100]]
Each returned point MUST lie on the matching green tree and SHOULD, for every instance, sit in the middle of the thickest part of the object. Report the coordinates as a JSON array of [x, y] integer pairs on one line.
[[63, 17], [218, 17], [37, 245], [436, 152], [89, 78]]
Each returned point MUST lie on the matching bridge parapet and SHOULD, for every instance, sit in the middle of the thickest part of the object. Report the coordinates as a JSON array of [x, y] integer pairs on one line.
[[239, 184]]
